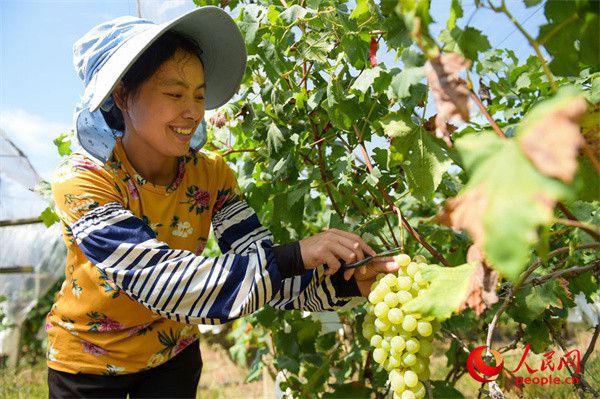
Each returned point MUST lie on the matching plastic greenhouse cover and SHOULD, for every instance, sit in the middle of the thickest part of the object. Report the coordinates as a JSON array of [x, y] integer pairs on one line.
[[34, 246]]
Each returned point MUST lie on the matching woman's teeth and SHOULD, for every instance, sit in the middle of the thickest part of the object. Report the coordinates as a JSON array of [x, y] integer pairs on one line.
[[185, 132]]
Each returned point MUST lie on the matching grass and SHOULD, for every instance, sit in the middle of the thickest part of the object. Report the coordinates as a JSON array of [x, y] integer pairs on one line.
[[221, 379]]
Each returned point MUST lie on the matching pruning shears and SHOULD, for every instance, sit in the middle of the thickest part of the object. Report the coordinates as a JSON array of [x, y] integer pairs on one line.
[[367, 259]]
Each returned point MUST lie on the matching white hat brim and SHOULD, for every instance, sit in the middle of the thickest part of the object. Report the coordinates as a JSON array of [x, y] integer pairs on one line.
[[213, 30]]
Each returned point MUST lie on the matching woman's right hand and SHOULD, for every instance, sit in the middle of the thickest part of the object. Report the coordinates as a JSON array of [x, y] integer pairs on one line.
[[329, 246]]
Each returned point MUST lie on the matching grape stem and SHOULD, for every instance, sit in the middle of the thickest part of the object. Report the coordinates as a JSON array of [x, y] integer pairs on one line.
[[390, 202], [574, 271]]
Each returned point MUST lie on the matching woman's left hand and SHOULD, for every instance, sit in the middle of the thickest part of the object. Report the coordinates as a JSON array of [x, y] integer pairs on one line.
[[366, 274]]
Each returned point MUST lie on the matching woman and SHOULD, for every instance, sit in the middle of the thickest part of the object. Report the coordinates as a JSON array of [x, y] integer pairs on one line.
[[136, 204]]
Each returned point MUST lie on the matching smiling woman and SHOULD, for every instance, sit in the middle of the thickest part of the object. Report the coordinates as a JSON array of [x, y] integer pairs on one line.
[[136, 205]]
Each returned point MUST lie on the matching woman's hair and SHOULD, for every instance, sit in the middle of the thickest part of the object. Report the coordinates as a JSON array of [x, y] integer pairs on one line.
[[146, 65]]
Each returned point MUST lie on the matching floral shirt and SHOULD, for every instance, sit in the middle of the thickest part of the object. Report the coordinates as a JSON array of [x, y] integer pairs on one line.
[[136, 282]]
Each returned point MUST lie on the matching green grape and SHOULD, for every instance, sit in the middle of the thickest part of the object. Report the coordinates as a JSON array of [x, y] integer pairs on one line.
[[419, 259], [424, 328], [368, 331], [396, 380], [375, 296], [419, 390], [376, 341], [385, 344], [409, 323], [404, 296], [390, 280], [402, 341], [391, 299], [408, 395], [410, 378], [413, 345], [395, 316], [397, 344], [381, 325], [392, 363], [380, 355], [426, 348], [409, 359], [412, 269], [420, 365], [381, 310], [402, 260]]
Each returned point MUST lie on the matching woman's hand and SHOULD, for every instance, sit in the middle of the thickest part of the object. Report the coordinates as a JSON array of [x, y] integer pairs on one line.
[[366, 274], [330, 246]]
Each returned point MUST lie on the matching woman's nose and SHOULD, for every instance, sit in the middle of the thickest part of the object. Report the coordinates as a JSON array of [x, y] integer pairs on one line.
[[194, 109]]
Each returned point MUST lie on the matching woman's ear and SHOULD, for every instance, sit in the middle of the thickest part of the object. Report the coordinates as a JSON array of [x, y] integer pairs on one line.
[[119, 97]]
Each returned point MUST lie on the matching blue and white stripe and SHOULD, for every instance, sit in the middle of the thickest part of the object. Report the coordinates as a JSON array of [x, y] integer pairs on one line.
[[194, 289]]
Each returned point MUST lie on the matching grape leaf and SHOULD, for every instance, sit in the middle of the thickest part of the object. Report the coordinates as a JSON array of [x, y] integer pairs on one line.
[[425, 161], [531, 302], [456, 12], [481, 293], [443, 389], [571, 36], [503, 186], [446, 292], [468, 42], [549, 135], [293, 14], [49, 217], [365, 80], [275, 139], [449, 91], [536, 334], [403, 81]]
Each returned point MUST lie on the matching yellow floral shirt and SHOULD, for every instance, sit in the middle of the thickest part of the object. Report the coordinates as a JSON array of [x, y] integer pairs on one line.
[[94, 327], [136, 281]]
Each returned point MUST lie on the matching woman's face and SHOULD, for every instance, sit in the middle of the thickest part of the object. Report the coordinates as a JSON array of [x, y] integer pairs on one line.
[[165, 112]]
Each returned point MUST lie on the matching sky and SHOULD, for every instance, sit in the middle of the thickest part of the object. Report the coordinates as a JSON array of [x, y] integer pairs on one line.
[[39, 87]]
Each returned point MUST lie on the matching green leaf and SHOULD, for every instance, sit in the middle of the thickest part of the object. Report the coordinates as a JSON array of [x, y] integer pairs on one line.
[[571, 36], [283, 362], [348, 391], [402, 82], [316, 48], [456, 12], [536, 334], [468, 42], [365, 80], [63, 145], [531, 3], [266, 316], [446, 292], [425, 161], [293, 14], [249, 22], [256, 367], [531, 302], [507, 193], [49, 217], [275, 139], [443, 389], [397, 124], [362, 7]]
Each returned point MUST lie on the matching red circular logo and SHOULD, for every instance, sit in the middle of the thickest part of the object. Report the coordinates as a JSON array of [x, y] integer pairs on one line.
[[477, 367]]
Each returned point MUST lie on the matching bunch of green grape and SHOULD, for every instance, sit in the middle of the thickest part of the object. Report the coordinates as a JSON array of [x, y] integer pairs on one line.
[[402, 341]]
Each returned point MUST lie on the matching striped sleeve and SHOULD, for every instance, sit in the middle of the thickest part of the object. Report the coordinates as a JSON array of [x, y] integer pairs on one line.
[[176, 283]]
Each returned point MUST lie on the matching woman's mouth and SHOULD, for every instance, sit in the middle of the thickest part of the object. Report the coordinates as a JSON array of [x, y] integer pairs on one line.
[[184, 134]]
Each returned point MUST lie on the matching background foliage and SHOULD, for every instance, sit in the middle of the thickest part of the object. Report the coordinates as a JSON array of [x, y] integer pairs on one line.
[[325, 136]]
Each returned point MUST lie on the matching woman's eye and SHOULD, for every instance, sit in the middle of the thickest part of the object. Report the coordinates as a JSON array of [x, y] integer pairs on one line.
[[200, 98], [174, 95]]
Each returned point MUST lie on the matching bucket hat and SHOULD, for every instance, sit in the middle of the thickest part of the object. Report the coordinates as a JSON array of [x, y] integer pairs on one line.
[[104, 54]]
